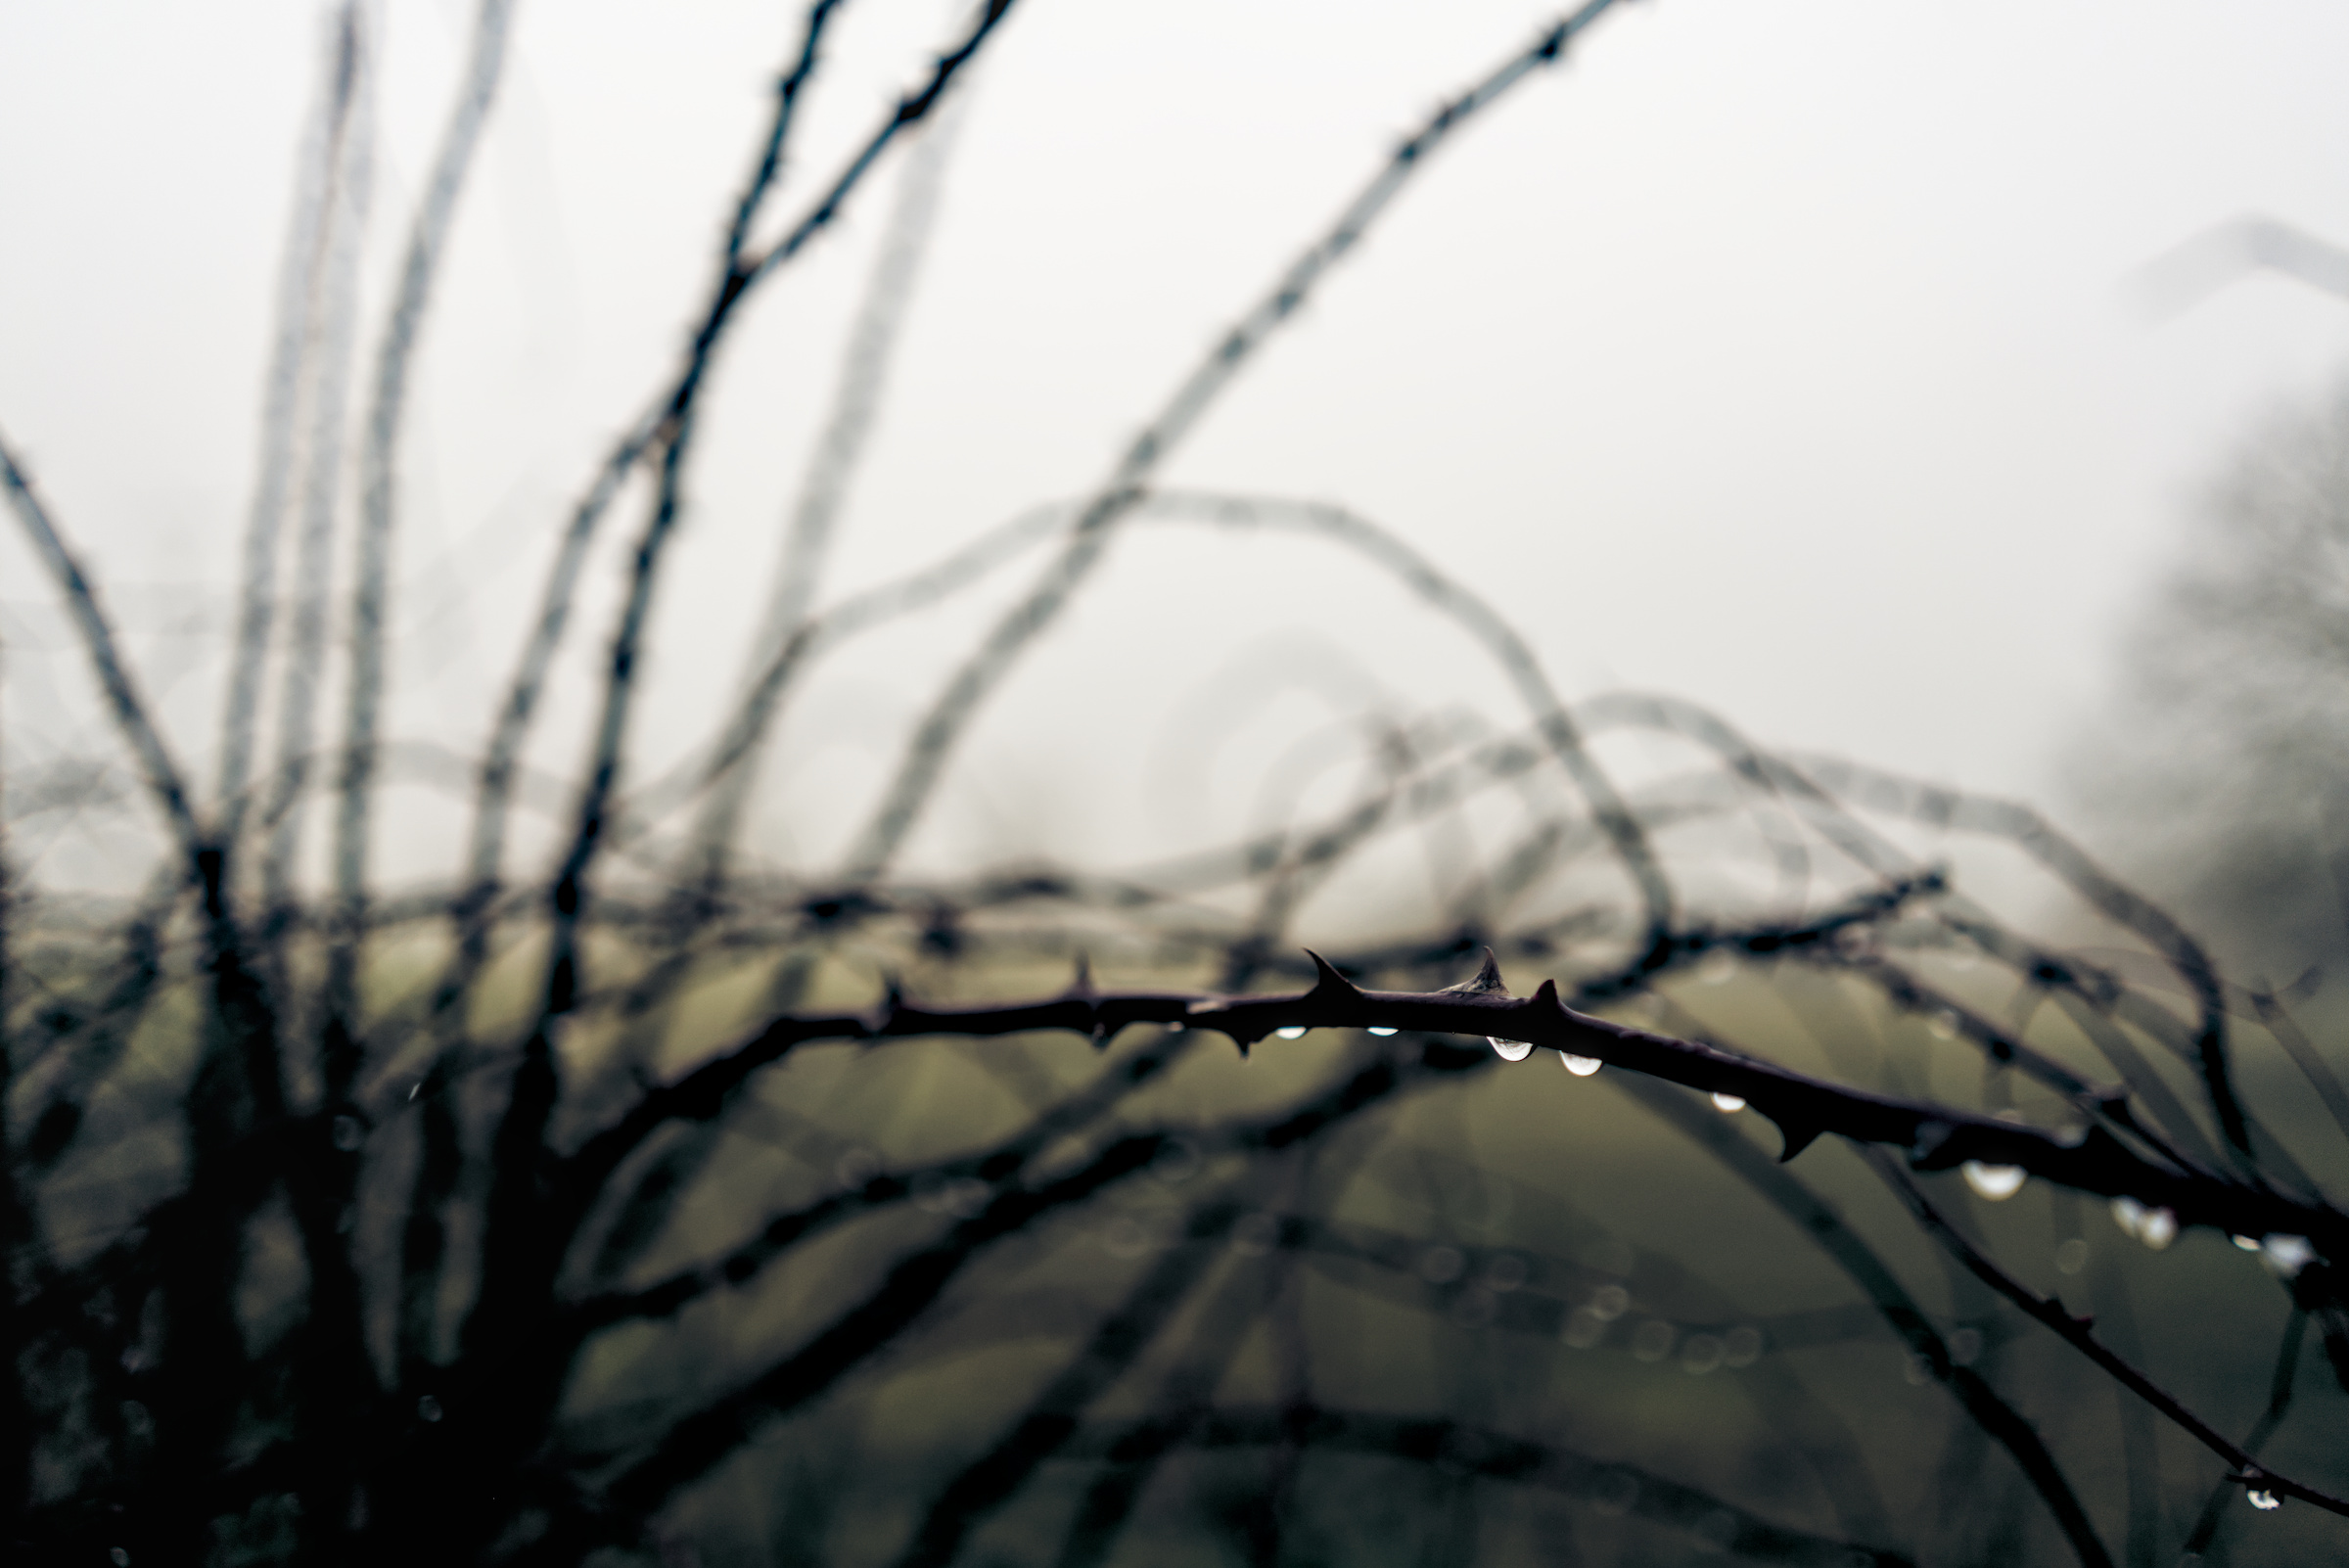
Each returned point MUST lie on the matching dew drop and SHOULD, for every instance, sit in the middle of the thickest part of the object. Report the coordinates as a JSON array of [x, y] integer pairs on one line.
[[349, 1133], [2247, 1243], [1996, 1182], [2264, 1501], [1730, 1103], [1381, 1032], [2130, 1215], [2159, 1229], [2286, 1254], [1580, 1066], [1510, 1051], [1290, 1032]]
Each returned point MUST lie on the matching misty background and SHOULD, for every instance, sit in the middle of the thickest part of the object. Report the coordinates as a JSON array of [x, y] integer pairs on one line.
[[1781, 357]]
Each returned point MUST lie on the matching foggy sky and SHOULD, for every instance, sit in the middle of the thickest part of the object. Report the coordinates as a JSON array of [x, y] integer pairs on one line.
[[1773, 355]]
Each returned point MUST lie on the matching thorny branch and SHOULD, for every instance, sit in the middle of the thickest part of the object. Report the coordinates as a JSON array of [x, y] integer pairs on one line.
[[487, 1216]]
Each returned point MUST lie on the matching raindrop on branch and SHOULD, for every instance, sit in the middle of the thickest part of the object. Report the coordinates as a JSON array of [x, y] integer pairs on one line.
[[1379, 1030], [1996, 1182], [1292, 1032], [2264, 1501], [1729, 1103], [2286, 1254], [1510, 1051], [1580, 1066], [2159, 1229]]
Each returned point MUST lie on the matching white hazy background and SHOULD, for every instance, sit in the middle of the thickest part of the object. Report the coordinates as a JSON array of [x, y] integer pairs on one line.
[[1778, 355]]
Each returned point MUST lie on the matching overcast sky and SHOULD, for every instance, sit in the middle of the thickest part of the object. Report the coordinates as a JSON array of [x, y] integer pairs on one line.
[[1772, 353]]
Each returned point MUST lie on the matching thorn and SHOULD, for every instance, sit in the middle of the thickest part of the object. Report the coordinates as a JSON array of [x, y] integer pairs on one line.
[[2085, 1320], [1798, 1136], [1547, 993], [1327, 978], [1488, 981]]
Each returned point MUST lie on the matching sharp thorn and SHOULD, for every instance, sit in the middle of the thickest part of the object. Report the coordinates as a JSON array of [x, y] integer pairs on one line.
[[1798, 1136], [1486, 980], [1327, 976]]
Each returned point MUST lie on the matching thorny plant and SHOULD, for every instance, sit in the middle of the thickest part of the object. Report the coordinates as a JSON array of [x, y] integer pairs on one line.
[[508, 1337]]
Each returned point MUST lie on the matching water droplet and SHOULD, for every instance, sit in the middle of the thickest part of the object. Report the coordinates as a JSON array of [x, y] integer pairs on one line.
[[1965, 1346], [2247, 1243], [428, 1408], [1718, 966], [1380, 1031], [1996, 1182], [1741, 1347], [2128, 1214], [1610, 1301], [2286, 1254], [1653, 1340], [2159, 1229], [1730, 1103], [1580, 1066], [349, 1133], [1510, 1051], [1292, 1032], [1441, 1266], [2264, 1501], [1943, 1025], [2072, 1256], [1701, 1354]]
